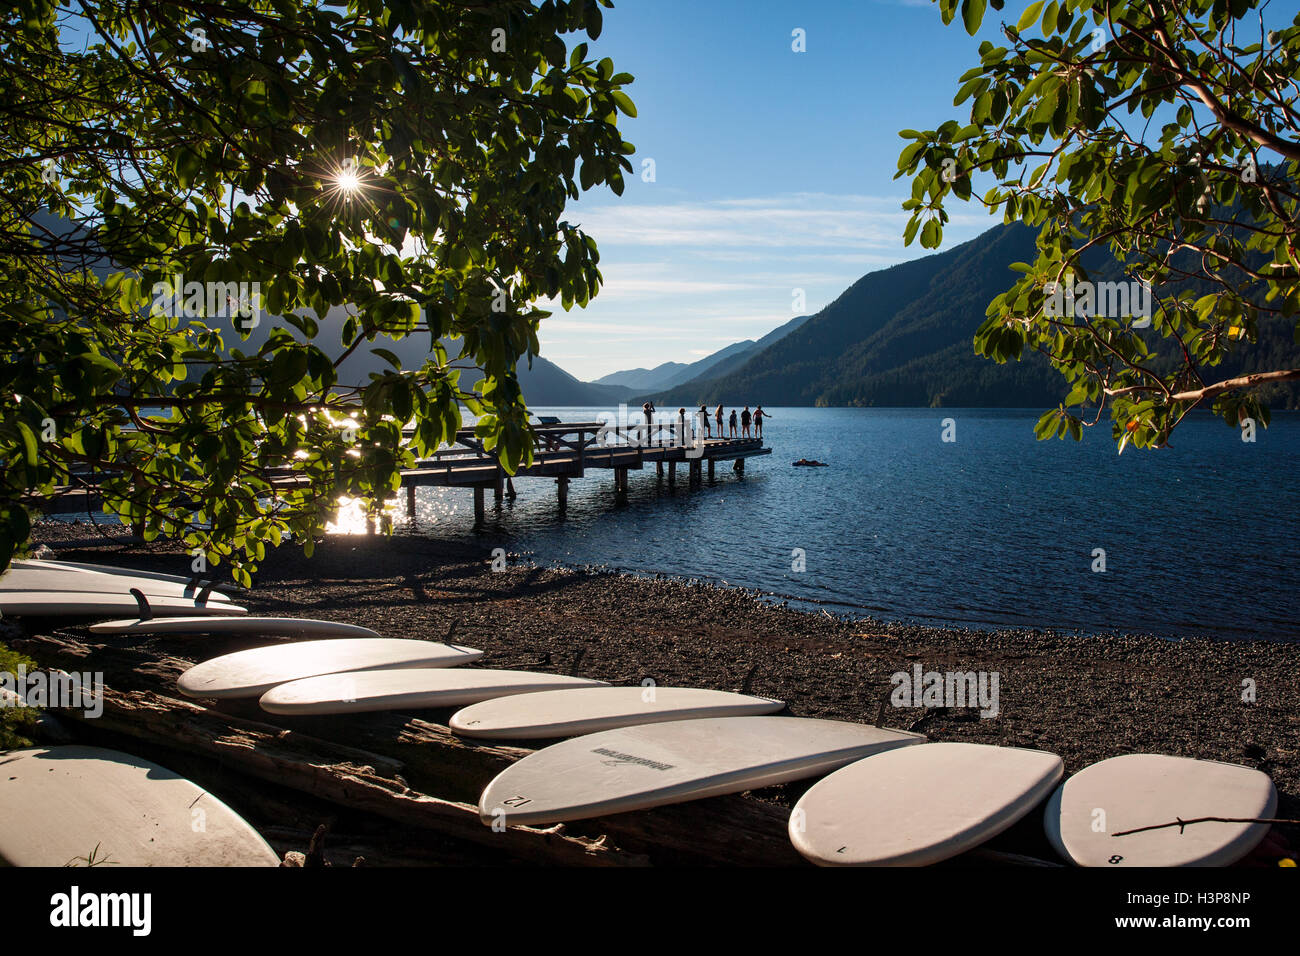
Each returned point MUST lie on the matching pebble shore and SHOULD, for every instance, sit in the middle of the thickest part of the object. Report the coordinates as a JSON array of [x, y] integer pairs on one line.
[[1085, 698]]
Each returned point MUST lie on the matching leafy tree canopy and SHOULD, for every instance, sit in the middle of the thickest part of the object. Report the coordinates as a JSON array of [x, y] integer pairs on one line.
[[1165, 134], [408, 159]]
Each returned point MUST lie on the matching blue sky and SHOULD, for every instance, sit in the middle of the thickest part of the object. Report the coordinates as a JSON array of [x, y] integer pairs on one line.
[[773, 169]]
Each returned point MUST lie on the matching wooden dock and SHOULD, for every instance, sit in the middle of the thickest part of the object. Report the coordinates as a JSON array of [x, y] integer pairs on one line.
[[566, 450], [563, 451]]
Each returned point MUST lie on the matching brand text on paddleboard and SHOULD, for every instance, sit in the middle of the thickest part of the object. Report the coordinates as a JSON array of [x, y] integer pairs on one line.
[[628, 758]]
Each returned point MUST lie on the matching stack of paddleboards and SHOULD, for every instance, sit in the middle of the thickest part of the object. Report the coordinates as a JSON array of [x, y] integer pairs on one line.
[[882, 801], [61, 589]]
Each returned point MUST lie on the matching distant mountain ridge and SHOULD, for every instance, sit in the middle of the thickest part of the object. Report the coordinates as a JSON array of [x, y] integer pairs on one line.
[[717, 363]]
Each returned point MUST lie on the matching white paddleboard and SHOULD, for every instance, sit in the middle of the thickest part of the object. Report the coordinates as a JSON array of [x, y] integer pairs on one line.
[[208, 624], [43, 563], [30, 575], [253, 672], [634, 768], [567, 713], [1140, 790], [77, 806], [918, 805], [101, 604], [357, 691]]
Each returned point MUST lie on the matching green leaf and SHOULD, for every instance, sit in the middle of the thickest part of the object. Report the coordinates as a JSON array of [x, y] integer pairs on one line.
[[972, 14], [624, 102], [1030, 16], [29, 443]]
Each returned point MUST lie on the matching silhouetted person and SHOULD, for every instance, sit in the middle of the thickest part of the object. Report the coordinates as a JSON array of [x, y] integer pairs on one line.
[[744, 422], [733, 423], [759, 415], [718, 418], [704, 417]]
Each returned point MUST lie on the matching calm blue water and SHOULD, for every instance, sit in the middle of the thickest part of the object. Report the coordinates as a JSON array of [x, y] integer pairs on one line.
[[994, 529]]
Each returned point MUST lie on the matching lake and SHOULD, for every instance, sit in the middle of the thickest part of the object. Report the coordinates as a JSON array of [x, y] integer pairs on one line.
[[992, 529]]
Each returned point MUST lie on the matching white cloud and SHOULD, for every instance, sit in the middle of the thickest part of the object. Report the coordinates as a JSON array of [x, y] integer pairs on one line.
[[683, 278], [794, 221]]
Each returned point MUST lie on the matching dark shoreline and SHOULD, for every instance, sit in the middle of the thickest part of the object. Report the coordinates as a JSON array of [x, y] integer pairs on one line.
[[90, 536], [1085, 698]]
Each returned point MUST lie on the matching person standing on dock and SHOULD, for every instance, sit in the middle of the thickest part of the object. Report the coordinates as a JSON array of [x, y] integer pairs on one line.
[[718, 418], [648, 409], [681, 426], [704, 417], [733, 423], [759, 415], [744, 422]]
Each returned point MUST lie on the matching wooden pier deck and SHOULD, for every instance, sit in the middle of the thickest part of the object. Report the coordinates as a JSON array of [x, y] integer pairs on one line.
[[566, 450], [563, 451]]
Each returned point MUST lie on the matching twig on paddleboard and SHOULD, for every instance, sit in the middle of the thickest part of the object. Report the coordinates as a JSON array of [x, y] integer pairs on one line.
[[1180, 823]]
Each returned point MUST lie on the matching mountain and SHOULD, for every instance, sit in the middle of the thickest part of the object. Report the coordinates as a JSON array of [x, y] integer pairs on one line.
[[717, 363], [902, 336], [544, 383], [548, 384], [643, 379]]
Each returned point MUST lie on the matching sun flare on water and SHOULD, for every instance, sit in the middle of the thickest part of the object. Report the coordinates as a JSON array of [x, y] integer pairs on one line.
[[352, 518]]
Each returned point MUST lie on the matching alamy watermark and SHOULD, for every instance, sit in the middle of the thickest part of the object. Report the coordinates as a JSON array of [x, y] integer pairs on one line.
[[1111, 300], [949, 689], [56, 689], [662, 430], [74, 909], [179, 299]]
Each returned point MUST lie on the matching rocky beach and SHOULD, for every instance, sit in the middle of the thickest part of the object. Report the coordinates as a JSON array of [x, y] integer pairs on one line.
[[1085, 698]]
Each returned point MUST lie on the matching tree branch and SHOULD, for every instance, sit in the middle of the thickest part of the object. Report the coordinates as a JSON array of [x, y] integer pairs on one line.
[[1180, 823]]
